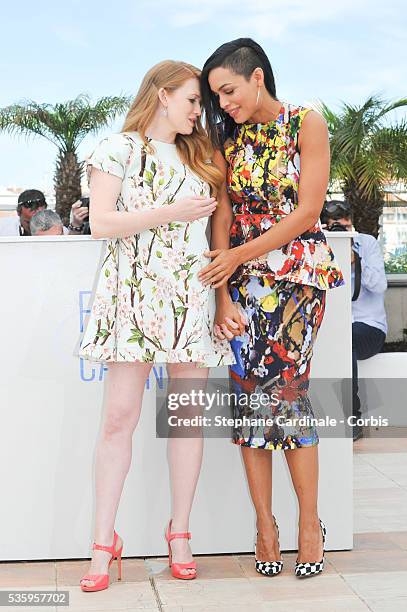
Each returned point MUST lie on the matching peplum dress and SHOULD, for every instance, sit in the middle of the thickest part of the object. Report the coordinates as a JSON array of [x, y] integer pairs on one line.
[[282, 293]]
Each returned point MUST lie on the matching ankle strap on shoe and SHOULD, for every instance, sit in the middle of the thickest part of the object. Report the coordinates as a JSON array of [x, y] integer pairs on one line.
[[110, 549], [173, 536]]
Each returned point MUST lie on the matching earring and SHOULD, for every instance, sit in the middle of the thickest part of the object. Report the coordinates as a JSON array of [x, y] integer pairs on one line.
[[164, 111], [258, 95]]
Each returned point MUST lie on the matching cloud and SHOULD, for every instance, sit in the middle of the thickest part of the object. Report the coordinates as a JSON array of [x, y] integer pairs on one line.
[[274, 19]]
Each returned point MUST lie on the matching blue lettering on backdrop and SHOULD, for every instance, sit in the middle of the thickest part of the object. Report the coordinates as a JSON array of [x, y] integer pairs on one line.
[[82, 310], [102, 369], [97, 372]]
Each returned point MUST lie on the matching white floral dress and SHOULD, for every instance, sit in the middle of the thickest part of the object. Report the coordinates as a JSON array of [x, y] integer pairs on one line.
[[148, 304]]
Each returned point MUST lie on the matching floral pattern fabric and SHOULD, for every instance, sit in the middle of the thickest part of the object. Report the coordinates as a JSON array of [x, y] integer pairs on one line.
[[273, 360], [148, 304], [262, 181]]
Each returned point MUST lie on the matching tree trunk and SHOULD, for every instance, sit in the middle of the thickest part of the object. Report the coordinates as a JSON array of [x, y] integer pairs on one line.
[[366, 212], [67, 182]]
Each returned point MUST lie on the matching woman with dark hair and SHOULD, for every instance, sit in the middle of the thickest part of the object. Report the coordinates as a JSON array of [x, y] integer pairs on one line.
[[268, 246]]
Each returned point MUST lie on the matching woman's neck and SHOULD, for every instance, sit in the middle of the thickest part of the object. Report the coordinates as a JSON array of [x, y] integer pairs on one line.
[[268, 109], [160, 129]]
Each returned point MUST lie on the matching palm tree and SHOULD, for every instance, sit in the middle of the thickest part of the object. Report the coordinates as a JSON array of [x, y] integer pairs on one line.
[[65, 125], [367, 152]]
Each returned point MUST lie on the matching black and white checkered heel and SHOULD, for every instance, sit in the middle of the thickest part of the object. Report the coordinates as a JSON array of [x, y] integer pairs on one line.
[[269, 568], [303, 570]]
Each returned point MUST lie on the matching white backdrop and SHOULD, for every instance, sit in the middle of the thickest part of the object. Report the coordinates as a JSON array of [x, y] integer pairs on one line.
[[50, 413]]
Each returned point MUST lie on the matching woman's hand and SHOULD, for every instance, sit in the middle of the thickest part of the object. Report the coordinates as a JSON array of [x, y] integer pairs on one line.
[[192, 208], [225, 262], [229, 321]]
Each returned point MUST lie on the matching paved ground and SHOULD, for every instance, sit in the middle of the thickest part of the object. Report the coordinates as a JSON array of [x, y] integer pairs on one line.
[[371, 577]]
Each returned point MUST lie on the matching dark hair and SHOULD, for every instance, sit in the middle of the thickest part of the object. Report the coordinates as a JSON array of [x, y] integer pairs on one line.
[[30, 195], [242, 56], [336, 209]]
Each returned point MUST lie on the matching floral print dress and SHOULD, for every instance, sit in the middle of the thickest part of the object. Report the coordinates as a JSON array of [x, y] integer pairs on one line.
[[282, 293], [148, 304], [263, 179]]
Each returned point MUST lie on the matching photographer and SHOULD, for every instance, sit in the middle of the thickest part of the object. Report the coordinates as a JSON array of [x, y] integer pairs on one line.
[[29, 203], [80, 217], [369, 325], [32, 201]]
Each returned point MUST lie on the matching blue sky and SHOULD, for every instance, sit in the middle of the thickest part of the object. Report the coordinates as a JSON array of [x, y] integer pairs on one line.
[[320, 49]]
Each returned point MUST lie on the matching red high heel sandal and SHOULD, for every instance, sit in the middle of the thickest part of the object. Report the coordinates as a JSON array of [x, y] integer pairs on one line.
[[176, 568], [101, 581]]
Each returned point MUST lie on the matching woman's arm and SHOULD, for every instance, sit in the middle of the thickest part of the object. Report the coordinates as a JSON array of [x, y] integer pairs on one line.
[[222, 219], [107, 222], [104, 218], [228, 321], [314, 175]]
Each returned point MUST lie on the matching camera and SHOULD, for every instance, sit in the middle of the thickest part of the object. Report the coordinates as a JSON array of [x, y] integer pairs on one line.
[[85, 202], [337, 227]]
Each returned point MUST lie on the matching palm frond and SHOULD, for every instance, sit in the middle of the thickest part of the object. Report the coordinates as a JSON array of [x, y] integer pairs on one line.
[[390, 145], [64, 124], [89, 119], [27, 119], [367, 151], [332, 119], [387, 108], [370, 175]]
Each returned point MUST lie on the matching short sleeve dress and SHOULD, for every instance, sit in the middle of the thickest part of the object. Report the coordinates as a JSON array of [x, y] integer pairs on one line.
[[148, 304]]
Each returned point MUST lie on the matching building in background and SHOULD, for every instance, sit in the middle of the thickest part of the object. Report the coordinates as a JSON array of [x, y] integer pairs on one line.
[[394, 221]]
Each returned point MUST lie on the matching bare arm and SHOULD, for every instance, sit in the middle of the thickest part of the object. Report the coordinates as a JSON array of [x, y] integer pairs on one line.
[[222, 217], [221, 220], [314, 175], [107, 222], [228, 320]]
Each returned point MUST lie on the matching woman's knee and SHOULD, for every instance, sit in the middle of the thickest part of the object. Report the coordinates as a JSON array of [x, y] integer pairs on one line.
[[119, 421]]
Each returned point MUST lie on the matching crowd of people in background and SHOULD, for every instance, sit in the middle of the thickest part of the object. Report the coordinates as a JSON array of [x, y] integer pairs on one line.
[[35, 219]]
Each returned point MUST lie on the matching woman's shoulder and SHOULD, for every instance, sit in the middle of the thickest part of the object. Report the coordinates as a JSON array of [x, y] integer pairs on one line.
[[122, 140], [132, 137], [114, 152], [118, 143], [294, 117], [295, 112]]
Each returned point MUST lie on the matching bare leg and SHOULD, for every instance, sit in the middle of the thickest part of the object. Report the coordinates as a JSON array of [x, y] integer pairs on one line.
[[184, 461], [124, 390], [258, 465], [303, 465]]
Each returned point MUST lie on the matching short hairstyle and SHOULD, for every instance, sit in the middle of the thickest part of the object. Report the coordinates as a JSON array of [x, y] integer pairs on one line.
[[44, 220], [30, 195], [242, 56]]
